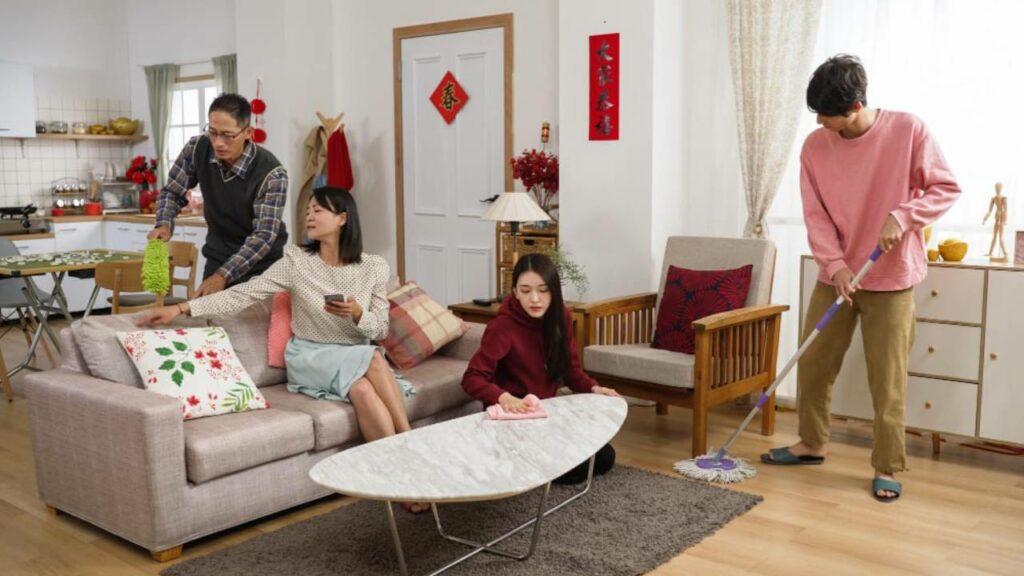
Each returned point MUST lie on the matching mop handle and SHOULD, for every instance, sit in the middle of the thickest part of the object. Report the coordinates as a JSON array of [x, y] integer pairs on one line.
[[800, 352]]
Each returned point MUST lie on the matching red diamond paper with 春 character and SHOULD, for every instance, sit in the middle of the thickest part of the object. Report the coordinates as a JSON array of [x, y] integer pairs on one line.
[[449, 97]]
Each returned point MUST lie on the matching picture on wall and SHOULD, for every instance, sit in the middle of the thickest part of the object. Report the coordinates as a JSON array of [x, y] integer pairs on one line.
[[604, 87]]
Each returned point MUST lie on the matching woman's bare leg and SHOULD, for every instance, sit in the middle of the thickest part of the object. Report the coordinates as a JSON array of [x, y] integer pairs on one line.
[[371, 413], [383, 380]]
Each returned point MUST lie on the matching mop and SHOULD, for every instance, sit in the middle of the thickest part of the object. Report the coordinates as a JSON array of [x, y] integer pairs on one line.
[[717, 466]]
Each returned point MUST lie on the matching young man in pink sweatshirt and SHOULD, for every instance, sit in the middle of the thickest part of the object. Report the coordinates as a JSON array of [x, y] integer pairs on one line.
[[868, 177]]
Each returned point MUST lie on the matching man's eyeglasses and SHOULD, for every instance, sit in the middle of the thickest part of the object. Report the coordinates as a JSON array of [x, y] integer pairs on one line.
[[225, 136]]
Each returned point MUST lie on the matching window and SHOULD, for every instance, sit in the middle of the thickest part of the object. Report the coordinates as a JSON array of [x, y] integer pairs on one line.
[[956, 65], [188, 114]]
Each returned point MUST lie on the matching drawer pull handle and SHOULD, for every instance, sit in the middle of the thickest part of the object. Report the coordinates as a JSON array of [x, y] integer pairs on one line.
[[927, 405], [993, 356], [931, 349], [935, 292]]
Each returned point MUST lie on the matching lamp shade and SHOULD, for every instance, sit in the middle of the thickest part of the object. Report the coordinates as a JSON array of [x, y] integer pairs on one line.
[[515, 207]]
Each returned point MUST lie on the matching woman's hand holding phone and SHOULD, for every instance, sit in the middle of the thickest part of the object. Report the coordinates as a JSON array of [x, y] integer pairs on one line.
[[343, 307]]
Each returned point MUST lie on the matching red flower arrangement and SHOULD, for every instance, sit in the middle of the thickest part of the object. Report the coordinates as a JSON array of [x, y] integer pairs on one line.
[[538, 171], [141, 172]]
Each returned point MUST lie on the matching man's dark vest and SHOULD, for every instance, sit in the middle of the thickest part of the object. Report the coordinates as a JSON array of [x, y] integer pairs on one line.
[[228, 208]]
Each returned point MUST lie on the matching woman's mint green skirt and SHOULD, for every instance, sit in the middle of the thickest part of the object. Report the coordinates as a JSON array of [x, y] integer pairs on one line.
[[327, 371]]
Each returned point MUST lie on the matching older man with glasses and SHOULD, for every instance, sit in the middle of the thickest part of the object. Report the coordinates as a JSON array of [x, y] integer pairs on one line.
[[244, 189]]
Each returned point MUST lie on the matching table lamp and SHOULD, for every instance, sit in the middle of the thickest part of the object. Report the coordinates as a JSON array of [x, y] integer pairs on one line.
[[513, 207]]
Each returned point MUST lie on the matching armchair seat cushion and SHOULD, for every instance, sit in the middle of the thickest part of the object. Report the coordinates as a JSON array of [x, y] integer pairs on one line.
[[216, 447], [641, 362]]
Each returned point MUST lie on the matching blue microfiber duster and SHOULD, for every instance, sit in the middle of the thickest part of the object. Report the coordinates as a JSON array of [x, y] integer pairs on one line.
[[155, 267]]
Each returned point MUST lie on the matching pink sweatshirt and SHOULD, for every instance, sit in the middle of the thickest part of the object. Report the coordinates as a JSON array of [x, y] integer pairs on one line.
[[849, 187]]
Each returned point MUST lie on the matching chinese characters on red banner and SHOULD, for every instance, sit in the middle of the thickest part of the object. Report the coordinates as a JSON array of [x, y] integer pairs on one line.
[[604, 87], [449, 97]]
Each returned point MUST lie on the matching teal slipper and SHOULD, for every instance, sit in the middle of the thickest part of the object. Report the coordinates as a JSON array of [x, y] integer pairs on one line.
[[885, 484], [784, 457]]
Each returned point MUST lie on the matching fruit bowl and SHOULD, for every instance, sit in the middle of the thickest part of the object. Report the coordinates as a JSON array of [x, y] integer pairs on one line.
[[124, 126], [953, 250]]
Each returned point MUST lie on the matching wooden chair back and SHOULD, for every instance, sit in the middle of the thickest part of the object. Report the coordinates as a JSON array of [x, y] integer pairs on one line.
[[123, 278]]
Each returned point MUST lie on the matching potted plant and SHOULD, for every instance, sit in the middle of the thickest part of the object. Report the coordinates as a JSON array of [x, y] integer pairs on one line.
[[143, 173], [569, 272]]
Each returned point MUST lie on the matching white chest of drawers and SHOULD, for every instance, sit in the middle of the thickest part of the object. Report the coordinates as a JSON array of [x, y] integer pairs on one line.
[[966, 366]]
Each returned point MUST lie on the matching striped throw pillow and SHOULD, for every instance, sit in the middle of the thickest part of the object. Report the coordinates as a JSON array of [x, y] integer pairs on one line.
[[419, 326]]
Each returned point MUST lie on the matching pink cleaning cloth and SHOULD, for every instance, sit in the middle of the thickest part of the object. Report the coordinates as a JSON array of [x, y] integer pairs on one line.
[[496, 412]]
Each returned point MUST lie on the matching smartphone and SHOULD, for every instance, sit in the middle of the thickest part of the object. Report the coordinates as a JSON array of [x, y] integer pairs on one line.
[[328, 298]]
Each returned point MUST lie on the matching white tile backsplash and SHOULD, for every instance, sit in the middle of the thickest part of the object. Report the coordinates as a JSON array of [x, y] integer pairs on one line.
[[26, 175]]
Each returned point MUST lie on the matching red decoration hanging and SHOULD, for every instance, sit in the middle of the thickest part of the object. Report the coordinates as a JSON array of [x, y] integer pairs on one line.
[[604, 87], [449, 97], [259, 106]]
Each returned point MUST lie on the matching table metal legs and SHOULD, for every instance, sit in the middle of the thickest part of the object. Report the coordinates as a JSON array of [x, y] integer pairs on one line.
[[488, 547]]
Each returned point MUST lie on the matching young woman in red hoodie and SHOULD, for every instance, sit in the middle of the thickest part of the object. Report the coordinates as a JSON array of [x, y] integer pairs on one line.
[[529, 348]]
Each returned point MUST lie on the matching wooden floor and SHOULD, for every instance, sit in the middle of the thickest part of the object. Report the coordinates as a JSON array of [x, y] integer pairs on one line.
[[962, 513]]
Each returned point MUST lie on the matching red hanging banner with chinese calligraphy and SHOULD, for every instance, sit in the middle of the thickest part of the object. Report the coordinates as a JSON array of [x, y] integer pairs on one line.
[[449, 97], [604, 87]]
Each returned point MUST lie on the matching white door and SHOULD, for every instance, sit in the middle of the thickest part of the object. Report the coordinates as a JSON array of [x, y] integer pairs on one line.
[[1002, 391], [449, 168]]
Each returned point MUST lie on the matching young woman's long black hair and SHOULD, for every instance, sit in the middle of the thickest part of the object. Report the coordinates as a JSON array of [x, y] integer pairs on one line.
[[350, 244], [556, 340]]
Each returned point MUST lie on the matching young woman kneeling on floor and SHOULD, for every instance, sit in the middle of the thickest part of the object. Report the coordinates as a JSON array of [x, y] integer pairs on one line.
[[330, 356], [529, 348]]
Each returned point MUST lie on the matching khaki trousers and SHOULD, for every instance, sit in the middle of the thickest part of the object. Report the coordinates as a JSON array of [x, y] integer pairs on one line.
[[887, 326]]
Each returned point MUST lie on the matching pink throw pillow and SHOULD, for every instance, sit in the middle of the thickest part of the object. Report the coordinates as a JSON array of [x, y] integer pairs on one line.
[[280, 331]]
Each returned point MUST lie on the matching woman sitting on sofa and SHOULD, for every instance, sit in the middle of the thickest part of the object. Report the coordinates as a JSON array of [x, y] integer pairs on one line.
[[339, 305], [529, 348]]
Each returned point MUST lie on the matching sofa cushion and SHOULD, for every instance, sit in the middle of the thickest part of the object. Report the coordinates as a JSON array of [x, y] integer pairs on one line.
[[248, 332], [96, 337], [641, 362], [690, 295], [438, 383], [198, 366], [216, 447], [418, 326]]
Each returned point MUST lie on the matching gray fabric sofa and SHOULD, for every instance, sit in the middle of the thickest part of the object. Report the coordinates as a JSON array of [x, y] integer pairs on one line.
[[121, 458]]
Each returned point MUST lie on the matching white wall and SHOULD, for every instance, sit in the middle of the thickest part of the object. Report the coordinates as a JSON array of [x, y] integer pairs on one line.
[[77, 49], [174, 32], [364, 89], [606, 186]]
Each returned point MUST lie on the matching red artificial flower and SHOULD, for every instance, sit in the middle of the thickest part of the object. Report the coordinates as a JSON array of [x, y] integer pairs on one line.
[[212, 353], [193, 401], [151, 178], [216, 365], [199, 354], [538, 171], [137, 177]]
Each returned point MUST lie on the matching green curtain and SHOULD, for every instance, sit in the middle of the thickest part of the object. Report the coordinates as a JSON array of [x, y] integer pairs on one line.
[[160, 79], [225, 70]]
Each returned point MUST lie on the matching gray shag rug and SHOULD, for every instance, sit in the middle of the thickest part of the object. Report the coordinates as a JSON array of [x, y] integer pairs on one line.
[[630, 522]]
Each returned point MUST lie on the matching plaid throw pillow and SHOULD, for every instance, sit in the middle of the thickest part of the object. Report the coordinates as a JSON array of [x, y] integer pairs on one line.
[[419, 326]]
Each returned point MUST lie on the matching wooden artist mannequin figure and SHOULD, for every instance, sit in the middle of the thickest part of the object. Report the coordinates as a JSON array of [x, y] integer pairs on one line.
[[998, 204]]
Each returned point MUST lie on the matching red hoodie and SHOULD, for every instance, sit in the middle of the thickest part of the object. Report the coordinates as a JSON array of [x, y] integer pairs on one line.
[[511, 359]]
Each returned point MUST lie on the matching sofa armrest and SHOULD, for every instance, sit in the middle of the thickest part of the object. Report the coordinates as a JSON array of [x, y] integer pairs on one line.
[[464, 347], [110, 454]]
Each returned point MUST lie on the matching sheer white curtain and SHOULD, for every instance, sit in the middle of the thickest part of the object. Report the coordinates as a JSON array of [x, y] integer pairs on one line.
[[958, 65]]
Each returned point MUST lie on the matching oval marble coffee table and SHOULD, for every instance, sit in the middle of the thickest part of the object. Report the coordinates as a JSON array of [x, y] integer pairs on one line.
[[473, 458]]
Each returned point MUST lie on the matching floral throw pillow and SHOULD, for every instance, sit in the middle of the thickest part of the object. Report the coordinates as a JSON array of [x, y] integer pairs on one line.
[[196, 365], [691, 295]]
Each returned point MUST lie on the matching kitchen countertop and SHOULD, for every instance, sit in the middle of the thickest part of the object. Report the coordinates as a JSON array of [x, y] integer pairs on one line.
[[130, 218]]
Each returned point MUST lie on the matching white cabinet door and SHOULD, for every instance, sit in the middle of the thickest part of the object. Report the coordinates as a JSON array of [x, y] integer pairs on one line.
[[117, 235], [78, 236], [1002, 392], [17, 101], [197, 236]]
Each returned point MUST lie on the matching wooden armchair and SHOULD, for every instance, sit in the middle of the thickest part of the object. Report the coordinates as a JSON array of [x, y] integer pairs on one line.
[[735, 352]]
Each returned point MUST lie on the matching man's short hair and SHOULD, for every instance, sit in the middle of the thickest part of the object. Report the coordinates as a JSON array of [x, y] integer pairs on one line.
[[837, 85], [234, 104]]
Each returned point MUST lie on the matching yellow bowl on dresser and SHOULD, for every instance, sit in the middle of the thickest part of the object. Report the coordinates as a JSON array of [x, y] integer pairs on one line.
[[953, 250], [933, 255]]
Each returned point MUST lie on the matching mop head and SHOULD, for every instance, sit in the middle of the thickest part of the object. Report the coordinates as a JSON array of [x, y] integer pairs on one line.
[[713, 468], [155, 269]]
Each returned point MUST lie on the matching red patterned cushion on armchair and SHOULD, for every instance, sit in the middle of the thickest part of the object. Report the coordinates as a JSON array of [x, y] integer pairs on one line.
[[693, 294]]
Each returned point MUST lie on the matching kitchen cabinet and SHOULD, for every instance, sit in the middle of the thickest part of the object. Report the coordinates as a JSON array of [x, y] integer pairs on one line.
[[79, 236], [17, 101], [965, 365]]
